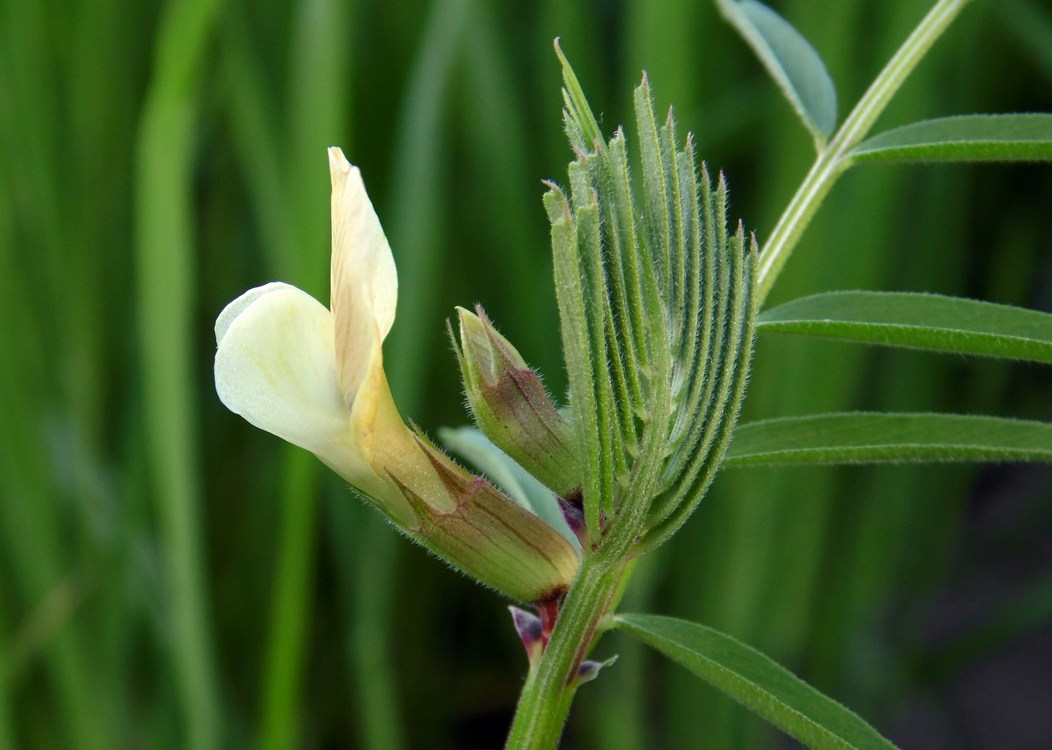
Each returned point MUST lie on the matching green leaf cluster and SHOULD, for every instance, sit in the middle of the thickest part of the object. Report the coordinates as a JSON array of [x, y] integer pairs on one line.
[[917, 321], [655, 298]]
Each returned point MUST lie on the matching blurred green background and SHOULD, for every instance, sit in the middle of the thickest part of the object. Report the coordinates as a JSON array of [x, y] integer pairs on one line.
[[171, 577]]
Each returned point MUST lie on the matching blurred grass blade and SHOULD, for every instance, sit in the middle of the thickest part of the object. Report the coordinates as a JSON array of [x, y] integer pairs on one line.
[[791, 61], [7, 724], [33, 552], [917, 321], [861, 437], [165, 267], [317, 108], [417, 219], [255, 137], [415, 224], [1014, 137], [755, 681], [366, 604], [252, 117], [291, 607], [496, 120]]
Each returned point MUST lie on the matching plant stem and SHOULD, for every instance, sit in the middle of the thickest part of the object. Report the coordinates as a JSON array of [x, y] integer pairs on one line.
[[835, 157], [548, 693], [549, 690]]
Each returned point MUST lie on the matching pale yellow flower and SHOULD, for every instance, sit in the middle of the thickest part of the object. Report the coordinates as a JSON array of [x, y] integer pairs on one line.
[[314, 376]]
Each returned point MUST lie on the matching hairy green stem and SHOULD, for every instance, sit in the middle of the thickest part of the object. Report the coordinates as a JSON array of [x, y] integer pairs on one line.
[[548, 693], [549, 690], [835, 157]]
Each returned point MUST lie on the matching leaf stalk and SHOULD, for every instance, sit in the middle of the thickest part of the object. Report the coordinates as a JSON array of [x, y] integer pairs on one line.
[[835, 157]]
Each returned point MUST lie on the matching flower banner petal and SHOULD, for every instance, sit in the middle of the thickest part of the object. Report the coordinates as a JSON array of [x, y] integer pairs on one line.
[[364, 283]]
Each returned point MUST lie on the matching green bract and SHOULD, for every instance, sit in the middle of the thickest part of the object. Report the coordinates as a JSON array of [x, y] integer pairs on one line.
[[656, 304]]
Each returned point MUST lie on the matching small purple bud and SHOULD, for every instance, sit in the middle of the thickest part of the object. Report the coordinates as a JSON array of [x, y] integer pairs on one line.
[[530, 630], [527, 624], [572, 507], [589, 670]]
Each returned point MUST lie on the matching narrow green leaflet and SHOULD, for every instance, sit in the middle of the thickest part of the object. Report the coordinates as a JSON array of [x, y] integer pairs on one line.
[[791, 61], [917, 321], [862, 437], [1026, 137], [756, 682]]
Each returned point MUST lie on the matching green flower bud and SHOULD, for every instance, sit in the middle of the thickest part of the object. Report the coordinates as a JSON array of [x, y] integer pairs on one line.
[[511, 406]]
